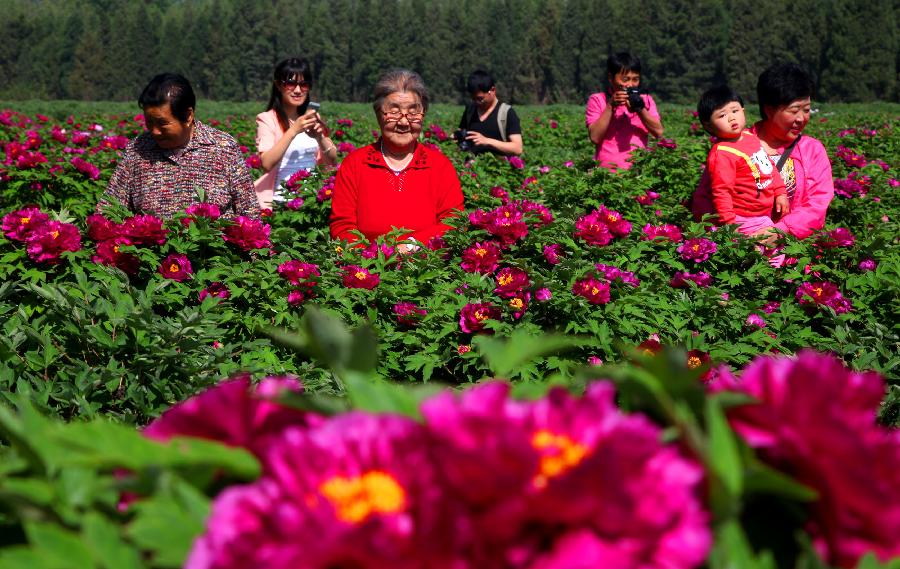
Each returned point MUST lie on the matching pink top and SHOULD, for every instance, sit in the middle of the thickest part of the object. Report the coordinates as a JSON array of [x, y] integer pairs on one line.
[[625, 133], [812, 180], [268, 132]]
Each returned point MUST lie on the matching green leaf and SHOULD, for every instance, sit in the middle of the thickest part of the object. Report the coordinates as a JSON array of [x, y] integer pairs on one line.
[[380, 396], [363, 355], [506, 356], [60, 544], [167, 524], [103, 539], [723, 455]]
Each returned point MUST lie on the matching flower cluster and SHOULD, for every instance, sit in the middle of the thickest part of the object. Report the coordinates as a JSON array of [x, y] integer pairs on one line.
[[387, 491], [509, 222], [474, 316], [840, 237], [45, 239], [612, 273], [247, 233], [301, 275], [358, 277], [663, 232], [408, 314], [86, 168], [209, 211], [600, 226], [697, 249], [593, 290], [682, 278], [480, 258], [823, 294]]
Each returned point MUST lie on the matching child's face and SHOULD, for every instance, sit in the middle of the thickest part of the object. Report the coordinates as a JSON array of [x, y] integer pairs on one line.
[[727, 121]]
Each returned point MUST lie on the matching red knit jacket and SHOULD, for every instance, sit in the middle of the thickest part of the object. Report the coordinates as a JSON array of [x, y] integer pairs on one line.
[[369, 197], [744, 180]]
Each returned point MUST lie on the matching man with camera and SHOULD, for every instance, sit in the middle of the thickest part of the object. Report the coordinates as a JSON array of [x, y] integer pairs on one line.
[[621, 119], [488, 125]]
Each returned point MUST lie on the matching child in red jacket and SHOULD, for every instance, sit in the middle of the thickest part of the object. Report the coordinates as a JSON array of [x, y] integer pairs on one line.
[[745, 183]]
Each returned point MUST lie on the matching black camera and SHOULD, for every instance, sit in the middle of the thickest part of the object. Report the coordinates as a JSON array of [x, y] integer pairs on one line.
[[464, 144], [635, 101]]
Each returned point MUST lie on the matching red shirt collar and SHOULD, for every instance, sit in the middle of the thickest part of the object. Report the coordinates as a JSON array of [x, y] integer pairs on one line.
[[374, 157]]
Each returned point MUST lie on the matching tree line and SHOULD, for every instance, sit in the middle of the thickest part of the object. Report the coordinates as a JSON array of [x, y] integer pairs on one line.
[[541, 51]]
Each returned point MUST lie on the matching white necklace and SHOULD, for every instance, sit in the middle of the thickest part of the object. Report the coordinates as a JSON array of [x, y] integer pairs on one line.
[[401, 164]]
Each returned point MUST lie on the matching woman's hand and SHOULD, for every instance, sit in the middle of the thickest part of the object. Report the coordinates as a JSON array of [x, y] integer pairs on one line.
[[308, 123], [620, 97]]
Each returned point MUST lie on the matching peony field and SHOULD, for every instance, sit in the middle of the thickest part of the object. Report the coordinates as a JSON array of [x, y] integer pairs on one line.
[[578, 375]]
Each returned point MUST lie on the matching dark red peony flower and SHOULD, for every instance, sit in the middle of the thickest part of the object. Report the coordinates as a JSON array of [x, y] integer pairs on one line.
[[248, 234], [19, 224], [358, 277], [473, 316], [176, 267], [50, 239]]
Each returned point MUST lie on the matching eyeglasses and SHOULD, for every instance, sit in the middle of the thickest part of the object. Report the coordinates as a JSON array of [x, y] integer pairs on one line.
[[412, 115], [290, 84]]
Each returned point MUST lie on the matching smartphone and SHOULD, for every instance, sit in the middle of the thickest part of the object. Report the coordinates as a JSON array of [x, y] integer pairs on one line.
[[313, 106]]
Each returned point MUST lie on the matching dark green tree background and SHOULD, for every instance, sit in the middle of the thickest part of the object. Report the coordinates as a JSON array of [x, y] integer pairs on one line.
[[541, 51]]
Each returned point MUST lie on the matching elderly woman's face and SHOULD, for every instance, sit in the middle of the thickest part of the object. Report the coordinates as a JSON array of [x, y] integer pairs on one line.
[[788, 121], [401, 119], [165, 128]]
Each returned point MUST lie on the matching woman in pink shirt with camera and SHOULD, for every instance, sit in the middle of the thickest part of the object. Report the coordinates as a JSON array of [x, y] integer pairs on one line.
[[290, 135]]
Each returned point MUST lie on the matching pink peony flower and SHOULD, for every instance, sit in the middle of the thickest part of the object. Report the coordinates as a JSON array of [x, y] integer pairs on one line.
[[480, 258], [681, 279], [358, 277], [543, 294], [546, 485], [516, 162], [867, 265], [823, 294], [208, 210], [373, 248], [472, 317], [815, 420], [697, 249], [408, 314], [648, 198], [840, 237], [663, 232], [176, 267], [86, 168], [294, 204], [144, 230], [108, 253], [99, 228], [507, 224], [592, 231], [215, 290], [593, 290], [755, 320], [771, 307], [518, 304], [297, 297], [358, 491], [298, 273], [47, 241], [19, 224], [552, 253], [248, 234], [611, 273], [500, 193], [510, 282]]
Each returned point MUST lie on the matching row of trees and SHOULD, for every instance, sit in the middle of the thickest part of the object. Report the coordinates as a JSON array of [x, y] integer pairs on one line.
[[541, 51]]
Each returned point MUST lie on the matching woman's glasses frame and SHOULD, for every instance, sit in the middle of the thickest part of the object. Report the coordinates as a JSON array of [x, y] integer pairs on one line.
[[291, 84], [411, 115]]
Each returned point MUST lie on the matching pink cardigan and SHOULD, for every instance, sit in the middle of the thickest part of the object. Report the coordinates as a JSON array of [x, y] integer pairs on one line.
[[268, 132], [815, 190]]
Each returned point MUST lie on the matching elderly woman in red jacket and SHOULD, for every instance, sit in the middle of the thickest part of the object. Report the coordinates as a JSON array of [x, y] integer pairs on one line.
[[396, 182]]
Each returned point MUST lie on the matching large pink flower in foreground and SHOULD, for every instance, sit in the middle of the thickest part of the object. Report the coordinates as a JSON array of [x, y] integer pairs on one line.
[[19, 224], [48, 241], [815, 420], [547, 480], [234, 413], [247, 233], [360, 491]]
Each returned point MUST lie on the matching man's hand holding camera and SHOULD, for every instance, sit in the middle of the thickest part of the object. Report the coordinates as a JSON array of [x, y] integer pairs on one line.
[[631, 97]]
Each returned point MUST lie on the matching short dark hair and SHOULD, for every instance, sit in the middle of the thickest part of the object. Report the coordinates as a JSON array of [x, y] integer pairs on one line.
[[780, 84], [622, 61], [716, 98], [479, 80], [290, 68], [170, 88]]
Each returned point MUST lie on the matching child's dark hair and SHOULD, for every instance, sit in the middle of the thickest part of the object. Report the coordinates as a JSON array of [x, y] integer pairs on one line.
[[622, 61], [716, 98]]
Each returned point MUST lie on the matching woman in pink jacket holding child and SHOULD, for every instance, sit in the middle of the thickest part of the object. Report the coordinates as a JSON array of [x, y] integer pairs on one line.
[[784, 92], [290, 135]]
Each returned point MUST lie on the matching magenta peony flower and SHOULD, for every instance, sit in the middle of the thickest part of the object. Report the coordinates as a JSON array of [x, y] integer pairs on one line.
[[86, 168], [473, 317], [108, 254], [144, 230], [592, 230], [248, 234], [298, 273], [215, 290], [208, 210], [176, 267], [544, 477], [408, 314], [823, 294], [771, 307], [755, 320], [372, 250], [99, 228], [543, 294], [19, 224], [697, 249], [358, 491], [815, 420], [294, 204], [663, 232], [545, 216], [595, 291], [648, 198], [612, 273], [681, 279], [48, 240], [507, 224], [480, 258], [840, 237], [297, 297], [358, 277], [618, 226], [510, 282], [324, 193], [516, 162], [518, 304], [500, 193], [552, 253], [867, 265], [235, 414]]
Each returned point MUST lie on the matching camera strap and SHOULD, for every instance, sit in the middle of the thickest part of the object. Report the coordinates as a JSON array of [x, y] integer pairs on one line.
[[787, 154]]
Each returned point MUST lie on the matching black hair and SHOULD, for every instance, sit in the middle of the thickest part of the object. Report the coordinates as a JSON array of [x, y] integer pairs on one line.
[[293, 68], [782, 83], [622, 61], [170, 88], [716, 98], [479, 80]]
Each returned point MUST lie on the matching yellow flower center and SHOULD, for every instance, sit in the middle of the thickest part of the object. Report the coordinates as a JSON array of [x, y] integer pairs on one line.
[[358, 497], [695, 247], [516, 303], [479, 316], [559, 454], [818, 291], [360, 275], [612, 218], [115, 248], [481, 252], [25, 220], [694, 362], [504, 279], [173, 268], [595, 290], [649, 352], [506, 213], [54, 234]]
